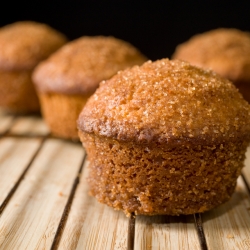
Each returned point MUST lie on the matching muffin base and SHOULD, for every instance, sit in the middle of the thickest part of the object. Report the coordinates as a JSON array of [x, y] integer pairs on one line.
[[61, 112], [162, 179], [17, 92]]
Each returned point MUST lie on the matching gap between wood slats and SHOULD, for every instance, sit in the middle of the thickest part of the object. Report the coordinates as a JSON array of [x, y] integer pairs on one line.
[[199, 228], [165, 232], [198, 224], [246, 170], [30, 125], [227, 226], [66, 211], [34, 212], [131, 232], [246, 183], [5, 125], [18, 181], [23, 126], [92, 225]]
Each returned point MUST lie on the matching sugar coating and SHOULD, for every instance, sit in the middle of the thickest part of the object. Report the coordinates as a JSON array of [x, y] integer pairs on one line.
[[24, 44], [226, 51], [167, 101], [82, 64]]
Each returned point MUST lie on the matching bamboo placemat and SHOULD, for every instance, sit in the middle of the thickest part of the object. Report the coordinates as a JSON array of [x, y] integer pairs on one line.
[[44, 202]]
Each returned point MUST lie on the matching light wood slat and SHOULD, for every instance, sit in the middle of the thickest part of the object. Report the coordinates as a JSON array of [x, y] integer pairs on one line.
[[228, 226], [165, 232], [93, 226], [5, 122], [246, 169], [29, 126], [15, 155], [32, 216]]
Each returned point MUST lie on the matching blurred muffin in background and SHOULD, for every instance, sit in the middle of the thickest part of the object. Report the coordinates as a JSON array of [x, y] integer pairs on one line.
[[224, 50], [70, 76], [22, 46]]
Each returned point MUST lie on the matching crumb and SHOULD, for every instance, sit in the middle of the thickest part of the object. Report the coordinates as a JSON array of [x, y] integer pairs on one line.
[[230, 236]]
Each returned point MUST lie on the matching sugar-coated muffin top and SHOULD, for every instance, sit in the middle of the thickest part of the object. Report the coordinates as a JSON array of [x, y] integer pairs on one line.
[[224, 50], [167, 101], [79, 66], [24, 44]]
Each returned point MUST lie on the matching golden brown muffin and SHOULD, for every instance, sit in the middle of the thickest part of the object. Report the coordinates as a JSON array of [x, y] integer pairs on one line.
[[71, 75], [23, 45], [165, 138], [226, 51]]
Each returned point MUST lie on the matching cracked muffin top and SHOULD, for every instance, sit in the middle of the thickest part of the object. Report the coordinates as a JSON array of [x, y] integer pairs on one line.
[[24, 44], [224, 50], [167, 101], [79, 66]]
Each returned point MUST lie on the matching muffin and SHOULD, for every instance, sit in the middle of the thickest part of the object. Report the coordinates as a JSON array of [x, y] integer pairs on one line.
[[165, 138], [224, 50], [23, 45], [70, 76]]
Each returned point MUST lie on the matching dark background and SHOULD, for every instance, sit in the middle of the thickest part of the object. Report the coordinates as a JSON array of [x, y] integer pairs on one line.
[[154, 27]]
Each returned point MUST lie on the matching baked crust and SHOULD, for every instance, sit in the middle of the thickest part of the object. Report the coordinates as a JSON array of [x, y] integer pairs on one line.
[[24, 44], [167, 102], [79, 66], [224, 50]]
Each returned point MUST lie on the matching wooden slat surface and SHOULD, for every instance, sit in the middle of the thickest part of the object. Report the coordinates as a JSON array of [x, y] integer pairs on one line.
[[166, 232], [228, 226], [92, 225], [32, 216], [32, 125], [5, 121], [42, 201], [15, 155]]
